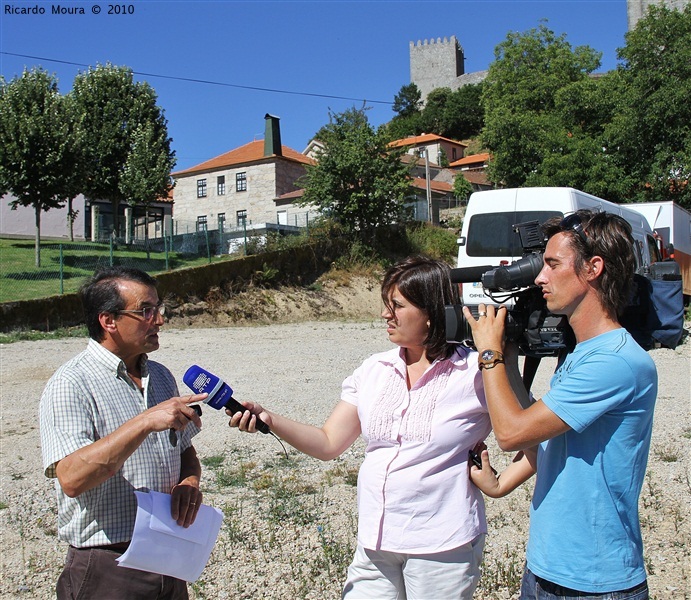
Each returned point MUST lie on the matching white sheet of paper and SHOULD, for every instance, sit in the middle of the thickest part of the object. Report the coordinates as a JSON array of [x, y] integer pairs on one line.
[[160, 545]]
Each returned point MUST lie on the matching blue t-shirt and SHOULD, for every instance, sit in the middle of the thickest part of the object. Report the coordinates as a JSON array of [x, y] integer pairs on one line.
[[584, 529]]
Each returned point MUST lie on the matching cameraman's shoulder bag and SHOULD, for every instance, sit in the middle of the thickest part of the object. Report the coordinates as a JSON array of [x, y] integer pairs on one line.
[[655, 314]]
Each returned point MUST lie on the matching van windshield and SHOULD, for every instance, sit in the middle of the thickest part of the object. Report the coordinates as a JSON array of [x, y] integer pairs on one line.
[[491, 234]]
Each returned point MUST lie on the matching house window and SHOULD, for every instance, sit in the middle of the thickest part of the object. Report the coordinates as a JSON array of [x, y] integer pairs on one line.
[[221, 185], [221, 221], [201, 188], [201, 223], [241, 182], [453, 154], [241, 218]]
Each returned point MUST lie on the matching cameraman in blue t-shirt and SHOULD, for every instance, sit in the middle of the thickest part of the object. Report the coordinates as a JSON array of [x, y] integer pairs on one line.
[[588, 437]]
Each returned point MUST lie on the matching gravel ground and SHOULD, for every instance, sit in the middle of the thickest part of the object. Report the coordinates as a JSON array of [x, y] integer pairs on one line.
[[289, 523]]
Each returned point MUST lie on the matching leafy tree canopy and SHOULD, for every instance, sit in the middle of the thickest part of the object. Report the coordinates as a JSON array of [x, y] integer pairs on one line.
[[462, 188], [456, 115], [357, 180], [408, 101], [537, 109], [650, 136], [38, 144], [464, 112], [147, 169], [120, 115]]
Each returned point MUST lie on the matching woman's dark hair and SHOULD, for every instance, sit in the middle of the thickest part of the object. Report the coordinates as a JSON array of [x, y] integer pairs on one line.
[[100, 293], [426, 283], [606, 235]]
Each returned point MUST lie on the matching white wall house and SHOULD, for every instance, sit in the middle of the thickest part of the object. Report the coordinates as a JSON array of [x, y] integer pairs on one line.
[[93, 220], [436, 147]]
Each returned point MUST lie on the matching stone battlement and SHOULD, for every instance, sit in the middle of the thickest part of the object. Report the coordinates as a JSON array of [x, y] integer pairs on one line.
[[437, 63]]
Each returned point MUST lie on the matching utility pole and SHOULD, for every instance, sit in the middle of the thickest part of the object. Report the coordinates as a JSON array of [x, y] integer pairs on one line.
[[428, 186]]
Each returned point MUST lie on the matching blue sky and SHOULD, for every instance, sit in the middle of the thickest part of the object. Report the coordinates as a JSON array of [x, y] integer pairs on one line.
[[354, 50]]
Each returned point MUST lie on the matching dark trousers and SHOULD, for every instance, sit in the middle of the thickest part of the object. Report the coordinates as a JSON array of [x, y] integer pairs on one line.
[[92, 573], [537, 588]]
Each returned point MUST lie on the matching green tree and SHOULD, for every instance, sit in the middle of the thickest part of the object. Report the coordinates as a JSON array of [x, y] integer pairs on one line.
[[434, 117], [147, 168], [650, 136], [462, 188], [406, 105], [357, 180], [408, 101], [402, 127], [464, 114], [113, 109], [574, 149], [523, 124], [38, 145], [457, 115]]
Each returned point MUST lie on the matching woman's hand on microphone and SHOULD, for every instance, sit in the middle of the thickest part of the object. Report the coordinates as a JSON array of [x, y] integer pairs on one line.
[[247, 419]]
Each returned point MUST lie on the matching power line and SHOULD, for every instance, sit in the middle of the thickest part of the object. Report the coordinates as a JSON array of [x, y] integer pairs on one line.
[[206, 81]]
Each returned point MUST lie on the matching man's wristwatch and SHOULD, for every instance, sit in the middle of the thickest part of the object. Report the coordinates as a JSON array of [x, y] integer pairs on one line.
[[488, 359]]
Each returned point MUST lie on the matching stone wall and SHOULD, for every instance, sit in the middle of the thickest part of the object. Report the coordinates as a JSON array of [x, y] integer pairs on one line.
[[636, 9], [265, 181], [440, 63], [261, 189], [436, 63], [298, 266]]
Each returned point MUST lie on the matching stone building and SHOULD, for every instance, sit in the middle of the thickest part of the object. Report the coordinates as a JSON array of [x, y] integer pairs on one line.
[[250, 185], [440, 63], [636, 9]]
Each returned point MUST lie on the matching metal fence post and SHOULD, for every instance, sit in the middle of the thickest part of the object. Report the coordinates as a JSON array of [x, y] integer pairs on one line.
[[165, 249], [62, 273], [244, 227], [208, 250], [111, 250]]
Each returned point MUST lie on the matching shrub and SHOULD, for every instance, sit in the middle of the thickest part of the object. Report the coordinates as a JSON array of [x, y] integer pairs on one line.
[[434, 242]]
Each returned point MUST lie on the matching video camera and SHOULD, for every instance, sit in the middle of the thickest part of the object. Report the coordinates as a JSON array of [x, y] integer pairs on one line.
[[537, 331]]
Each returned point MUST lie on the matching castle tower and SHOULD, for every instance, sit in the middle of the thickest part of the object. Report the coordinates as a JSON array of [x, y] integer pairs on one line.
[[636, 9], [435, 64]]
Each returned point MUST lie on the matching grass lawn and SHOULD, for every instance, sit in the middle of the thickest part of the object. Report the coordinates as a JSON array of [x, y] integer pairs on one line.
[[20, 279]]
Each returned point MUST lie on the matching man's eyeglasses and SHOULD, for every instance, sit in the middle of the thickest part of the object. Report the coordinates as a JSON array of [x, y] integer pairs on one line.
[[148, 312], [574, 223]]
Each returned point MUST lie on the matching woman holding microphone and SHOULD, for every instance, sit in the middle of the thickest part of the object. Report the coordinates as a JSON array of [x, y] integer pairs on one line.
[[420, 408]]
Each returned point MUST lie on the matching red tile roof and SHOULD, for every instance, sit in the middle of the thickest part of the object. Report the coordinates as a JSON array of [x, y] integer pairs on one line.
[[292, 195], [440, 187], [476, 176], [425, 138], [471, 160], [249, 153]]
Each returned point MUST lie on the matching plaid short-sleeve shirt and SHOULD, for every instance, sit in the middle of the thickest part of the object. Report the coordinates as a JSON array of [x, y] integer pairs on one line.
[[86, 399]]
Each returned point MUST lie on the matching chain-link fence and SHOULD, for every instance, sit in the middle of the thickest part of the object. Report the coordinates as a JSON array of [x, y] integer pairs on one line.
[[65, 265]]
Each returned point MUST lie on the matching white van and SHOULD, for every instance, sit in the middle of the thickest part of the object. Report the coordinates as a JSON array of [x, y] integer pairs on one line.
[[488, 239]]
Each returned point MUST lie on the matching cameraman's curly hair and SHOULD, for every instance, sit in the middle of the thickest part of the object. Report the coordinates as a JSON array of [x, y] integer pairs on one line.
[[606, 235]]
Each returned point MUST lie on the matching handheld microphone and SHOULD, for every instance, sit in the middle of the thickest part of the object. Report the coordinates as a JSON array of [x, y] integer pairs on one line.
[[200, 381]]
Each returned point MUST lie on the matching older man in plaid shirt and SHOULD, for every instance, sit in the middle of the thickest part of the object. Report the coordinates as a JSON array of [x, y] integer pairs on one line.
[[111, 423]]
